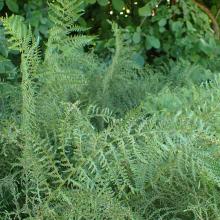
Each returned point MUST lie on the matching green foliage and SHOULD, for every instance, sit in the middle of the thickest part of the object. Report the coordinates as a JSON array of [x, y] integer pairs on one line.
[[159, 30], [121, 85], [81, 138], [182, 32], [35, 14], [7, 69]]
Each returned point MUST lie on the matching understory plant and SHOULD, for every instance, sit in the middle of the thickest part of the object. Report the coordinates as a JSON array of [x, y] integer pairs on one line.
[[92, 140]]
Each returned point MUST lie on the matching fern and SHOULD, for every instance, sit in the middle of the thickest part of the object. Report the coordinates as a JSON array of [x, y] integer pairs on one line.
[[83, 155], [121, 85]]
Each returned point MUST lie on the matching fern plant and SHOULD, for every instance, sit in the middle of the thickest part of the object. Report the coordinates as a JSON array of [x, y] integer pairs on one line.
[[148, 156], [122, 85]]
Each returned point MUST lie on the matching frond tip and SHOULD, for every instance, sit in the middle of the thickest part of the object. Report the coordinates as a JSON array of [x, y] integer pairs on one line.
[[64, 13]]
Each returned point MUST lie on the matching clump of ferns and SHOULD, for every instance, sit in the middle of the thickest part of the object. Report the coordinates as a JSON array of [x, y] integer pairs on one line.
[[162, 166]]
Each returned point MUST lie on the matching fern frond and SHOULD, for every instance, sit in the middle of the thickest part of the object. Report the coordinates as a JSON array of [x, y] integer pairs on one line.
[[17, 30], [64, 13]]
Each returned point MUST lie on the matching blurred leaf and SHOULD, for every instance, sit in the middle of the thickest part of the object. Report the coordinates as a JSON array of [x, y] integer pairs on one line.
[[145, 11], [7, 69], [12, 5], [137, 37], [152, 41], [1, 4], [138, 58], [118, 4], [35, 18], [3, 43], [162, 22], [103, 2], [177, 26], [90, 1]]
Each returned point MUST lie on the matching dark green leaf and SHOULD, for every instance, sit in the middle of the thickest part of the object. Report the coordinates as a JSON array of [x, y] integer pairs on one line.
[[12, 5], [1, 4], [118, 4]]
